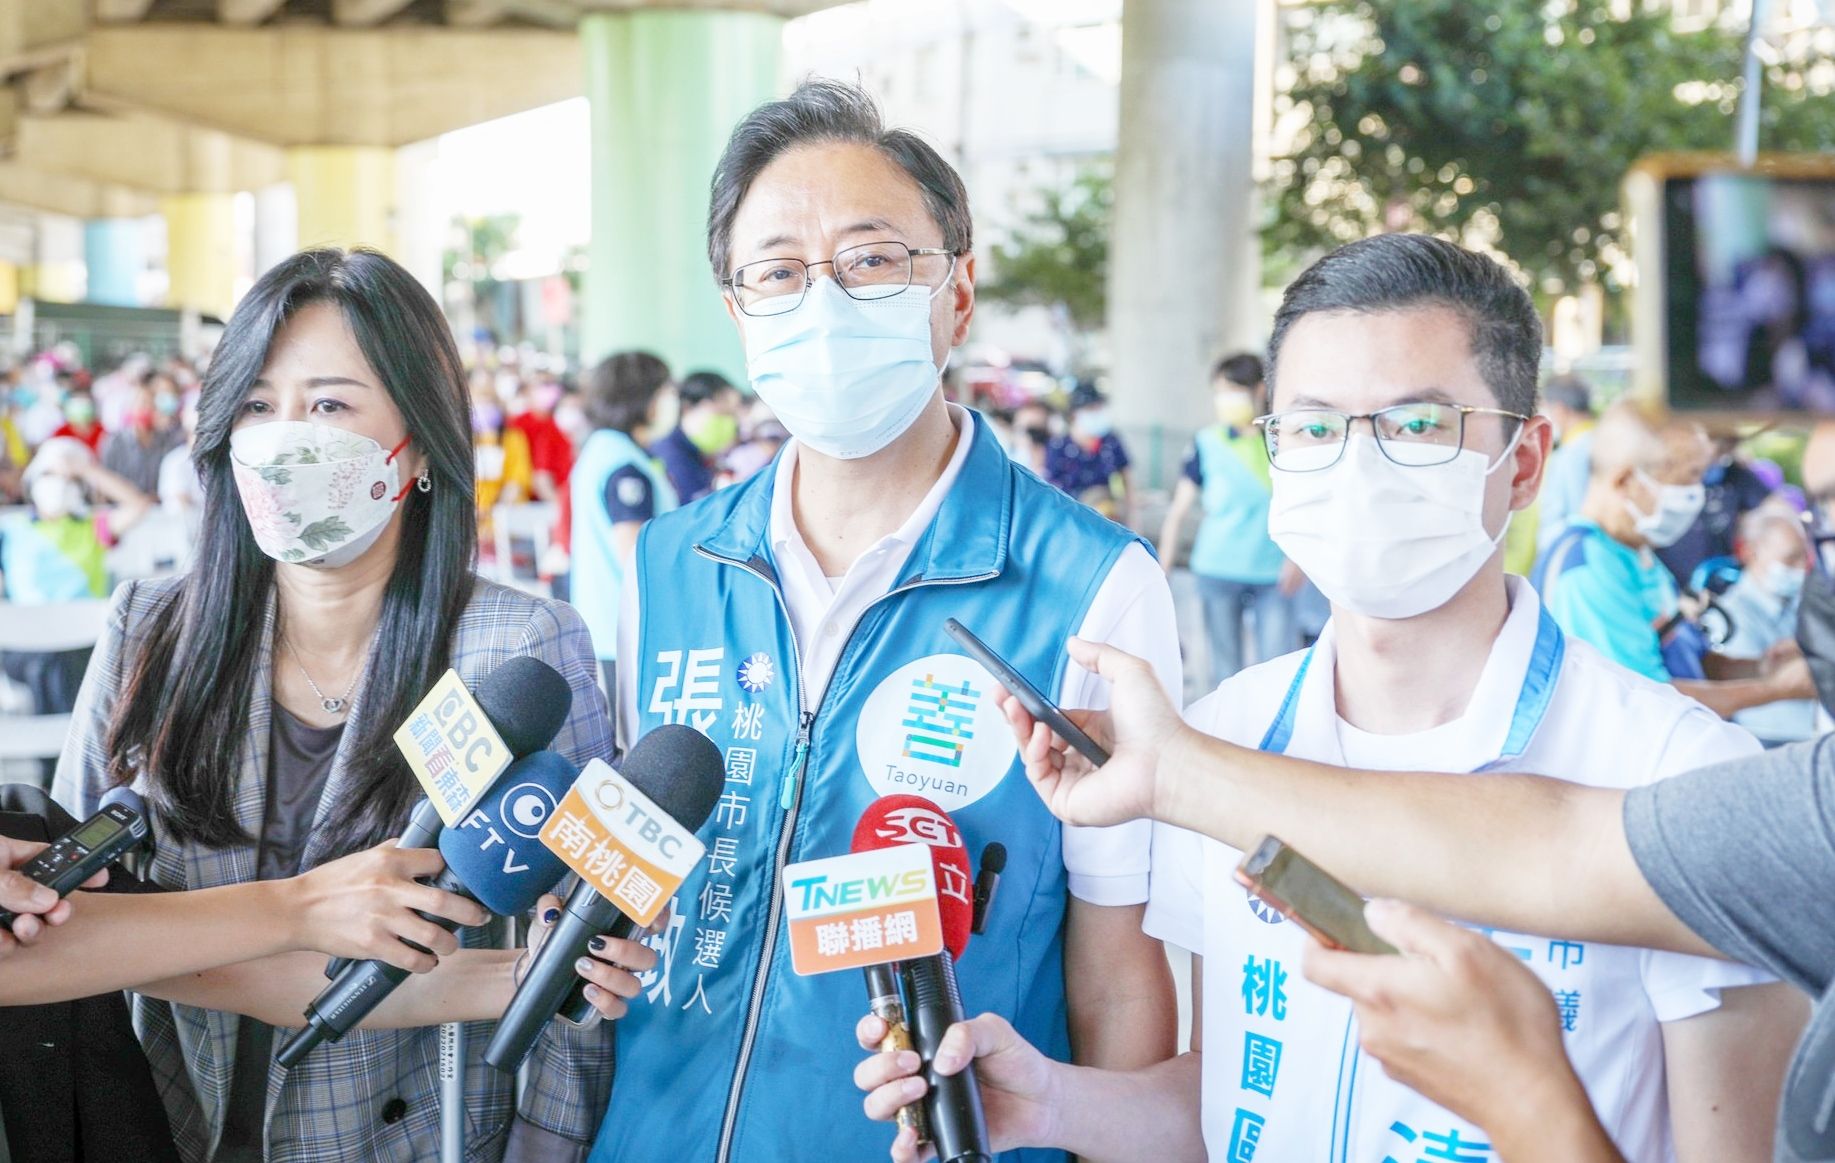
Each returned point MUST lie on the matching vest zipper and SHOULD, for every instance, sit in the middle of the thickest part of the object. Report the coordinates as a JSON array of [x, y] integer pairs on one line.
[[794, 774], [791, 800]]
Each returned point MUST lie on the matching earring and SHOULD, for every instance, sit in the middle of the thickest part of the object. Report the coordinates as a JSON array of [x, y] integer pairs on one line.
[[425, 483]]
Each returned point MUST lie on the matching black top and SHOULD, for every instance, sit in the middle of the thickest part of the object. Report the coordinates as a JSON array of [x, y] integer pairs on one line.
[[299, 759]]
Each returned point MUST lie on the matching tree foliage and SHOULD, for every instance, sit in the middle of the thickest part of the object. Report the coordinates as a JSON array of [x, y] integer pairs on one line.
[[1509, 123], [1058, 255]]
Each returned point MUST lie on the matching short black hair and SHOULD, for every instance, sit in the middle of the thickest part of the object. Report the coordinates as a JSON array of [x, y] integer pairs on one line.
[[1570, 391], [828, 111], [1244, 369], [1398, 272], [620, 387], [702, 386]]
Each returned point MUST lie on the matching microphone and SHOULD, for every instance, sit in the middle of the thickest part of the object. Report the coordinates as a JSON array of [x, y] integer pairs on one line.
[[526, 701], [993, 863], [953, 1104], [119, 825], [680, 771], [492, 856]]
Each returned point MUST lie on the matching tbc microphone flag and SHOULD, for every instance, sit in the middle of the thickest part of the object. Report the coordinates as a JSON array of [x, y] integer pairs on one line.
[[630, 836]]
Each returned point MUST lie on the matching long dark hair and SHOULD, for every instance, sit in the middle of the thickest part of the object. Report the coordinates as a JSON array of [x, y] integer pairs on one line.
[[184, 711]]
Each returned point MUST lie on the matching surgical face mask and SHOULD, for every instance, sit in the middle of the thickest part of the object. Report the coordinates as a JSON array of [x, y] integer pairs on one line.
[[80, 410], [1094, 423], [1784, 582], [1382, 539], [486, 418], [1235, 410], [315, 495], [845, 376], [55, 496], [1677, 508], [166, 404], [712, 432]]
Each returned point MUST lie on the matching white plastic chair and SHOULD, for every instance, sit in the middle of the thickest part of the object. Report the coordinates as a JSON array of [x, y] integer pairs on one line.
[[44, 629], [158, 546]]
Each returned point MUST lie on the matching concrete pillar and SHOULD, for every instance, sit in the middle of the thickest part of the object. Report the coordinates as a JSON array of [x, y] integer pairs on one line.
[[115, 251], [1184, 258], [201, 252], [346, 195], [423, 215], [666, 88], [58, 274], [276, 226]]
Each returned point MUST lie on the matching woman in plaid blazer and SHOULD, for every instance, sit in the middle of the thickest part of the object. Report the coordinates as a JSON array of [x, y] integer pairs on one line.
[[254, 699]]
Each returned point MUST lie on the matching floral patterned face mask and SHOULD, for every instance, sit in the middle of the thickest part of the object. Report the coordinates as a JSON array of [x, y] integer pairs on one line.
[[315, 495]]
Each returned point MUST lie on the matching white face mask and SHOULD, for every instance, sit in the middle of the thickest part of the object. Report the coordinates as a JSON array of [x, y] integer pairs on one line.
[[1382, 539], [314, 495], [1784, 582], [1677, 508], [845, 376], [55, 496]]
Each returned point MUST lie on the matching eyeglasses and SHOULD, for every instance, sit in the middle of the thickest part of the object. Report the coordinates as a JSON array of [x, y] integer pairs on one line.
[[1415, 435], [873, 270]]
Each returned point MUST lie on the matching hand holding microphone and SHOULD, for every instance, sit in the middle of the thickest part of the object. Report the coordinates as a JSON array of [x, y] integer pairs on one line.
[[610, 965], [668, 786], [1018, 1083]]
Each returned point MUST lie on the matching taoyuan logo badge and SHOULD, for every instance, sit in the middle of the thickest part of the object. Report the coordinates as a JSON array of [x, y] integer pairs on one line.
[[932, 728]]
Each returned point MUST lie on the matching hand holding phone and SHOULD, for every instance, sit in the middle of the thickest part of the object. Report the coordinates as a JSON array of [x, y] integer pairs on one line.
[[1309, 896], [1036, 704]]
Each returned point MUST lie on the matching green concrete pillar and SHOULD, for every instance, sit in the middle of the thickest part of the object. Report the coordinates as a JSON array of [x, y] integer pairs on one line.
[[666, 88]]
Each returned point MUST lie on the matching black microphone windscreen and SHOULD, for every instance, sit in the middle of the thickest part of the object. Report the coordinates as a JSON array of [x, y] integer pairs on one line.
[[680, 770], [527, 701], [994, 858]]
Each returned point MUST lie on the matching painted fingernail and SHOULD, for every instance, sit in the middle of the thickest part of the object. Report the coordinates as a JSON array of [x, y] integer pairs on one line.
[[584, 965], [592, 992], [597, 944], [550, 916]]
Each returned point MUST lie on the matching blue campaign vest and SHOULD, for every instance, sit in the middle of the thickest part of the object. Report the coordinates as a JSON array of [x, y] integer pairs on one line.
[[1233, 541], [596, 577], [728, 1055]]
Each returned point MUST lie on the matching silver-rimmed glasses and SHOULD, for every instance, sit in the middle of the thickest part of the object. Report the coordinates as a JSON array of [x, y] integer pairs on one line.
[[1416, 435], [873, 270]]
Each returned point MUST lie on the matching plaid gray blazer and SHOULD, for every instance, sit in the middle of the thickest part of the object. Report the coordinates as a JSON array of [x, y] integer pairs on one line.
[[332, 1105]]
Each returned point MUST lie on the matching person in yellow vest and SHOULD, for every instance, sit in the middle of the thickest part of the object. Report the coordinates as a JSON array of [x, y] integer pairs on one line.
[[1237, 565]]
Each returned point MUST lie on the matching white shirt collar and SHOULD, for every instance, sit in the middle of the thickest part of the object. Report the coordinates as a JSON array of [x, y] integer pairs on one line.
[[787, 541], [1470, 741]]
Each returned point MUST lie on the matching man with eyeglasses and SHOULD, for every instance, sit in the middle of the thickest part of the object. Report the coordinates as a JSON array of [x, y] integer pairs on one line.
[[1403, 372], [797, 619]]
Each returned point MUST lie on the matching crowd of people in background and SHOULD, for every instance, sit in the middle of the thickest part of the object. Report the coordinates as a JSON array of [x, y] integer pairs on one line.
[[1673, 552]]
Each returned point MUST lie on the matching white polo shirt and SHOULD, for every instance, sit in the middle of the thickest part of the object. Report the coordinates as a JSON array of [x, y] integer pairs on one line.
[[1132, 609], [1283, 1077]]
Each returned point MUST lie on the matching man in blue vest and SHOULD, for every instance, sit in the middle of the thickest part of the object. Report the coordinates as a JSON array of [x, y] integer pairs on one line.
[[797, 619]]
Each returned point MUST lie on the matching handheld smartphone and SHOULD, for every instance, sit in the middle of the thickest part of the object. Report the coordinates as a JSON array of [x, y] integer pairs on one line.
[[1028, 695], [1309, 896]]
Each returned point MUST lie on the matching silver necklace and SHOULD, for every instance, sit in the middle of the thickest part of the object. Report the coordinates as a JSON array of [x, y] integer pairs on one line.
[[332, 706]]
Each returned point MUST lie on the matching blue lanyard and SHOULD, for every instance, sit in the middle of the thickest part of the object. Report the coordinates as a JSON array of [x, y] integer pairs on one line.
[[1531, 704]]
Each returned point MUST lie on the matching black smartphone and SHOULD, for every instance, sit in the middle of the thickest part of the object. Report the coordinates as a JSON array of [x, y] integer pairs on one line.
[[1028, 695], [1309, 896]]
